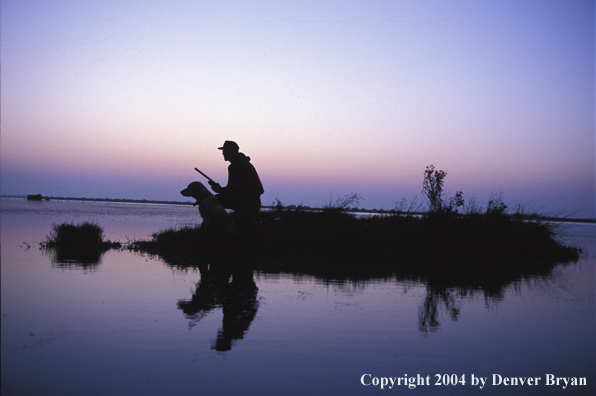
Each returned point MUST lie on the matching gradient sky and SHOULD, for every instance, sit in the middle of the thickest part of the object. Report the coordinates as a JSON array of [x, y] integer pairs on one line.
[[123, 98]]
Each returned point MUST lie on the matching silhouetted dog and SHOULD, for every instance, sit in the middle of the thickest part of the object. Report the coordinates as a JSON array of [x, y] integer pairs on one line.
[[215, 218]]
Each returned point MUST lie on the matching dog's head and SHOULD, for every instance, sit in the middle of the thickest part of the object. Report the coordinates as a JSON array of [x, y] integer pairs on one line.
[[196, 190]]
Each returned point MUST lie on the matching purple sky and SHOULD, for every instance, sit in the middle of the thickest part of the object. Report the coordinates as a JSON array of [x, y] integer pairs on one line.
[[122, 99]]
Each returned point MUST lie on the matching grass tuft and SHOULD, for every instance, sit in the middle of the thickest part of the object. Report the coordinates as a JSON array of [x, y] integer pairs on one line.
[[70, 235]]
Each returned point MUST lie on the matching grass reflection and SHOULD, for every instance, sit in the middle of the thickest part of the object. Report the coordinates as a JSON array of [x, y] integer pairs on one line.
[[72, 245]]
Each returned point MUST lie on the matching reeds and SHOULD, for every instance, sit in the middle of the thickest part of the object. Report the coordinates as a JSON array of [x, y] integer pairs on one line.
[[70, 235], [79, 244], [489, 241]]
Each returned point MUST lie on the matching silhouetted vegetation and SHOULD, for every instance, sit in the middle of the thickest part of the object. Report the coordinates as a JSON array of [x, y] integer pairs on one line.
[[484, 242], [77, 243], [450, 235], [34, 197]]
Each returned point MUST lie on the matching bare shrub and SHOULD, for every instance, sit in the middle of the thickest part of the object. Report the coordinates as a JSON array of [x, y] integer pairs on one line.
[[432, 188]]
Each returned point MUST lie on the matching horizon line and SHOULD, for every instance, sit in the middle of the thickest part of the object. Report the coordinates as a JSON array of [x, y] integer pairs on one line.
[[162, 202]]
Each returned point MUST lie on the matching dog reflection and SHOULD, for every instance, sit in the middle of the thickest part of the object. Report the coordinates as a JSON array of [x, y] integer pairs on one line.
[[234, 291]]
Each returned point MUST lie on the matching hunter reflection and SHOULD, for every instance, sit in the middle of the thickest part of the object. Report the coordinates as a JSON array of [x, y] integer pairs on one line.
[[237, 297]]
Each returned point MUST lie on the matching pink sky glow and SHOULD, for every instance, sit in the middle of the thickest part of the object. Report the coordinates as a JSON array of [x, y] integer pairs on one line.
[[122, 99]]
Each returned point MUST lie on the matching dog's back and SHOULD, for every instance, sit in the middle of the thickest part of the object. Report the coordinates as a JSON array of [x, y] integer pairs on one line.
[[215, 217]]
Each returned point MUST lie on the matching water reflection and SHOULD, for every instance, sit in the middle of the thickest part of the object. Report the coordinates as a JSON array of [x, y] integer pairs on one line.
[[231, 287], [428, 311], [445, 290], [78, 257]]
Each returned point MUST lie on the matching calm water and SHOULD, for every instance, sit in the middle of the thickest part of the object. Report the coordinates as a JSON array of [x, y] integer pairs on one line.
[[134, 325]]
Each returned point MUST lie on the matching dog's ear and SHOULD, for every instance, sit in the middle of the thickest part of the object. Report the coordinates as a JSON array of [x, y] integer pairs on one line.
[[198, 188]]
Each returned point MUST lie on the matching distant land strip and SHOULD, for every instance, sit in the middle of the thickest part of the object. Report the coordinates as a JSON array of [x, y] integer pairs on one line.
[[118, 200], [362, 210]]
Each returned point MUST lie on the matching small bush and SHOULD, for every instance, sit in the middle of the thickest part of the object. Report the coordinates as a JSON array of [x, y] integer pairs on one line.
[[496, 206], [69, 235], [342, 203], [432, 188], [77, 244]]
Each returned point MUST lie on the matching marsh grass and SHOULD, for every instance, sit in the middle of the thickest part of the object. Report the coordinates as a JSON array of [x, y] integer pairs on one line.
[[451, 237], [331, 239], [70, 235], [77, 243], [185, 242]]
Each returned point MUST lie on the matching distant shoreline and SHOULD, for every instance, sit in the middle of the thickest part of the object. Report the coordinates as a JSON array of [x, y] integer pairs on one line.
[[373, 211], [103, 200]]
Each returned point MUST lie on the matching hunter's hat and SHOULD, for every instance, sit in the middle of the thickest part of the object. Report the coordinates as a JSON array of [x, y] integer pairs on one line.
[[229, 145]]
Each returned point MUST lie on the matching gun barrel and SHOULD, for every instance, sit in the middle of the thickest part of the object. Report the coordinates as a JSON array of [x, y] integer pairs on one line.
[[207, 177]]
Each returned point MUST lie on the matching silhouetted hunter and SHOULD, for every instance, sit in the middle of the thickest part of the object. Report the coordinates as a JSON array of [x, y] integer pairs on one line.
[[244, 189]]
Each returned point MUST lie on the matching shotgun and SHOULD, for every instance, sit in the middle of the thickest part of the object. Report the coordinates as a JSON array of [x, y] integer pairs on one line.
[[207, 177]]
